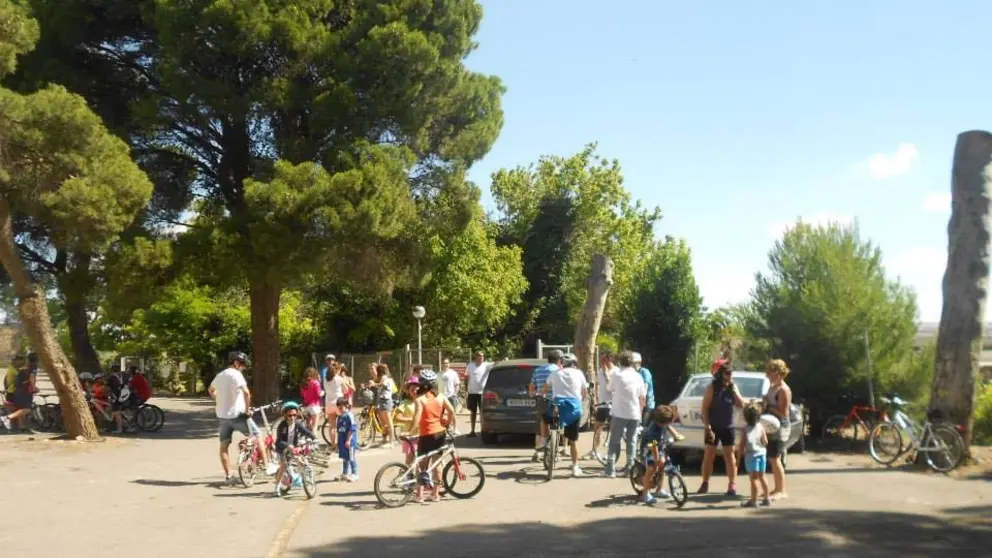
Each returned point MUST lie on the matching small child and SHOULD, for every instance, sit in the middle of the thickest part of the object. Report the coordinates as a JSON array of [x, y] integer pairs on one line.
[[311, 393], [347, 429], [659, 429], [753, 446], [288, 435], [404, 419]]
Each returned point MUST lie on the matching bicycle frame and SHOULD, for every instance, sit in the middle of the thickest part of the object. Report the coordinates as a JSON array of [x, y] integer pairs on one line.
[[917, 432], [446, 451]]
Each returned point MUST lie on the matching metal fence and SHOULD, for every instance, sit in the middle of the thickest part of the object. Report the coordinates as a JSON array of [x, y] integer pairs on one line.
[[400, 361]]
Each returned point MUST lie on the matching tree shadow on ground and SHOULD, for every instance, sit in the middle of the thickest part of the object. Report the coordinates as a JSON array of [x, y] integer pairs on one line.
[[807, 533]]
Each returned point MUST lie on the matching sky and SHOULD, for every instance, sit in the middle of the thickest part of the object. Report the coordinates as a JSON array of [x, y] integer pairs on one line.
[[737, 118]]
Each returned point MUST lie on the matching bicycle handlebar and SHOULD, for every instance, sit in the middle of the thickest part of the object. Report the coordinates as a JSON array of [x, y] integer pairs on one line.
[[272, 405]]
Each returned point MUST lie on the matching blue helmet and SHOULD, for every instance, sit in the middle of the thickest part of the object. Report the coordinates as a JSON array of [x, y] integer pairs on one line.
[[290, 406]]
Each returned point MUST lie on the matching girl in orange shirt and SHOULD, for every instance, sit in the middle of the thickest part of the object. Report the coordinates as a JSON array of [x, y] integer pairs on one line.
[[434, 415]]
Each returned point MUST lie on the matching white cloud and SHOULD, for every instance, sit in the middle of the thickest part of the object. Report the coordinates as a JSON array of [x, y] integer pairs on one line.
[[820, 218], [922, 268], [886, 165], [937, 202]]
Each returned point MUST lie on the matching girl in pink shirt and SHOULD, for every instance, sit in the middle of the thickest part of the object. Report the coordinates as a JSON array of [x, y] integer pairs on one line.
[[310, 390]]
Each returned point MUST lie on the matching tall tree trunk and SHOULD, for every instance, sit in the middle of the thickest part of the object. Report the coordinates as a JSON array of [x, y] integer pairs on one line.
[[962, 319], [38, 326], [75, 282], [587, 329], [265, 295]]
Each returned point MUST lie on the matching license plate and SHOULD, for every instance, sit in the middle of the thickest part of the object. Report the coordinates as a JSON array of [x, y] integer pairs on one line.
[[520, 402]]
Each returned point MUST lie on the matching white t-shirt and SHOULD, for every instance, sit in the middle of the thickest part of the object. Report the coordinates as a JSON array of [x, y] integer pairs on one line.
[[334, 388], [228, 386], [478, 375], [603, 378], [626, 388], [567, 382], [449, 383]]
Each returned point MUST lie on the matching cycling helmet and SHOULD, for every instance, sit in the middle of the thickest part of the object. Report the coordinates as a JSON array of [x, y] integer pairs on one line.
[[412, 380], [636, 358], [330, 357], [85, 376], [570, 359], [290, 406], [237, 356], [428, 375]]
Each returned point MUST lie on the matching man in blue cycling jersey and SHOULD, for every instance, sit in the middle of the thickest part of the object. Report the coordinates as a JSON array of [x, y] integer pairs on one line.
[[537, 382]]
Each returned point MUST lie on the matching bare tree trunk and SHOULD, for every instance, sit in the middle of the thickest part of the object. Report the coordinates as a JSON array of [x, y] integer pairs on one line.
[[598, 287], [38, 326], [962, 319], [76, 282], [265, 297]]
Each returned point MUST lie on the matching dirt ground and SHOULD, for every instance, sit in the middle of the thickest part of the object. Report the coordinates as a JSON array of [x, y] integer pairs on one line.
[[160, 493]]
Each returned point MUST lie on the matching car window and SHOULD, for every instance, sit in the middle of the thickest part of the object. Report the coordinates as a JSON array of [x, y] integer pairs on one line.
[[750, 388], [510, 376], [696, 387]]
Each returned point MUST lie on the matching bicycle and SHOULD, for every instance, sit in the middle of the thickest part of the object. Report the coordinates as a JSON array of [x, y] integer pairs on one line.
[[676, 484], [404, 478], [602, 458], [556, 432], [370, 427], [932, 439], [859, 418], [298, 459], [250, 455]]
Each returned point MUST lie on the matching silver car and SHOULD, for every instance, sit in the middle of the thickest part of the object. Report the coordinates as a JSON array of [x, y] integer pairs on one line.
[[752, 385]]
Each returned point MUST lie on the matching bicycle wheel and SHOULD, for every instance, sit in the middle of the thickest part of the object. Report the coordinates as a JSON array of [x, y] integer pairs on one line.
[[676, 487], [834, 429], [367, 433], [451, 477], [551, 455], [247, 468], [146, 418], [885, 444], [952, 451], [394, 479], [636, 476], [327, 432], [159, 418], [309, 482], [281, 487]]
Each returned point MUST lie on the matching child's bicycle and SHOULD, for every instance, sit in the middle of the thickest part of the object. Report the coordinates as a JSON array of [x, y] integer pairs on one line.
[[298, 465], [676, 484], [250, 455], [403, 479]]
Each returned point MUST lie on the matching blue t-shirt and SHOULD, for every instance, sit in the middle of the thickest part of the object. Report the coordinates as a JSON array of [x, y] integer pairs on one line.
[[347, 428], [323, 375], [540, 376], [649, 380]]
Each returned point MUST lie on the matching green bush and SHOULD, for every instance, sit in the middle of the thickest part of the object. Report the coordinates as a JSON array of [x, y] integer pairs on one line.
[[983, 416]]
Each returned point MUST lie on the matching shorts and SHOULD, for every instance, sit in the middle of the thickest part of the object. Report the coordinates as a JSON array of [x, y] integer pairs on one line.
[[253, 429], [384, 404], [312, 410], [332, 409], [755, 463], [409, 446], [776, 448], [227, 428], [572, 431], [20, 400], [453, 399], [602, 414], [474, 401], [430, 443], [723, 436], [649, 458]]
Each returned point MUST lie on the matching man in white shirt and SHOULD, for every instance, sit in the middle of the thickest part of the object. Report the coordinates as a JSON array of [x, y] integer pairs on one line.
[[450, 382], [601, 412], [478, 375], [232, 403], [569, 388], [628, 392]]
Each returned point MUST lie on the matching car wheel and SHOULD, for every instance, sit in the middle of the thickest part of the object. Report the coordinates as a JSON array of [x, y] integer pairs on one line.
[[489, 438]]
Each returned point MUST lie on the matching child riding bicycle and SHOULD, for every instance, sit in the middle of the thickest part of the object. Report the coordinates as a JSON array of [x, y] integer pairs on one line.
[[433, 415], [656, 433], [288, 436]]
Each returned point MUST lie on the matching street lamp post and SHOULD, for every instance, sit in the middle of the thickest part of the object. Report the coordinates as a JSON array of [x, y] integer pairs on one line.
[[419, 312]]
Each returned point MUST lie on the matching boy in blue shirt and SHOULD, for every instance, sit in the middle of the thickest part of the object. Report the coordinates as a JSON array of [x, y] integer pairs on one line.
[[659, 429], [347, 429]]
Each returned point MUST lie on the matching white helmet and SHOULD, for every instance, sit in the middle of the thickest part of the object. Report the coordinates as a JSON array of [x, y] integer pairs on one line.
[[85, 376], [570, 359], [636, 358]]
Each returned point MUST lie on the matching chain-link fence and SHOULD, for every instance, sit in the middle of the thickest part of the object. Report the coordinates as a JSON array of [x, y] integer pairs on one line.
[[400, 361]]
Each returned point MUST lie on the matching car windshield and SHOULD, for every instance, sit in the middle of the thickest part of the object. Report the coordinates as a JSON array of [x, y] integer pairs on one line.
[[510, 376], [750, 388]]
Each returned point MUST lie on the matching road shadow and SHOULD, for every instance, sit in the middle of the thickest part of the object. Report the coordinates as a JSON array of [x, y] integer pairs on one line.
[[178, 484], [807, 533]]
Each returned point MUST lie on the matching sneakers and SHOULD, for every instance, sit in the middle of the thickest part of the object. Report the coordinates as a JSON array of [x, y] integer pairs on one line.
[[5, 421], [536, 457], [232, 481], [663, 494], [577, 471], [649, 500], [351, 478], [732, 490], [271, 469], [703, 488]]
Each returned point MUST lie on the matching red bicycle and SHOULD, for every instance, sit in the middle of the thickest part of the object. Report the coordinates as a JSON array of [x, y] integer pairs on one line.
[[250, 455], [857, 424]]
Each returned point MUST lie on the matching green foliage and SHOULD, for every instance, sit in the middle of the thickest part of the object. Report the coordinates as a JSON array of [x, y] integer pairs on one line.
[[982, 432], [663, 314], [18, 34], [825, 288], [561, 212]]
